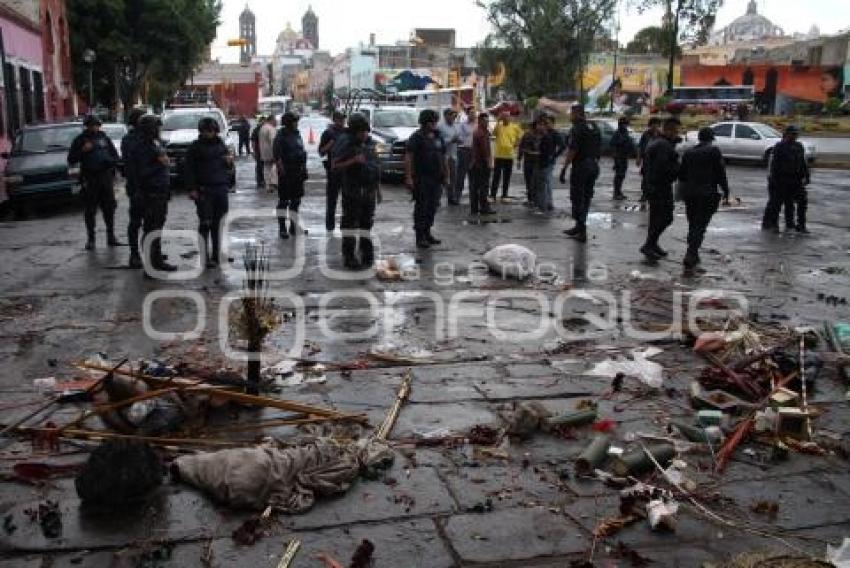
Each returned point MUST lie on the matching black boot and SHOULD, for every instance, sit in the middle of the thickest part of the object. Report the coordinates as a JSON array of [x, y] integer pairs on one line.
[[431, 239], [282, 232], [691, 259], [135, 260], [648, 250], [660, 251], [367, 252], [573, 232], [90, 242], [422, 241]]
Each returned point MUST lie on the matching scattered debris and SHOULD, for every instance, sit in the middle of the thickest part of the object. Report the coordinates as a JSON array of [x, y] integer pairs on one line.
[[362, 557], [49, 518], [118, 472], [648, 372]]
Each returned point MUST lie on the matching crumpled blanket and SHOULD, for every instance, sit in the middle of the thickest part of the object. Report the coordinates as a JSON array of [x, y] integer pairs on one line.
[[289, 480]]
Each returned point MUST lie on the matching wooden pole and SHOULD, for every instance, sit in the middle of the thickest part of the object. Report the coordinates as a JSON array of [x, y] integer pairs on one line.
[[403, 394]]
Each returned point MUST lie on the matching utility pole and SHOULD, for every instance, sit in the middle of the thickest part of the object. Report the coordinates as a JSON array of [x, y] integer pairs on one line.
[[616, 53], [674, 43]]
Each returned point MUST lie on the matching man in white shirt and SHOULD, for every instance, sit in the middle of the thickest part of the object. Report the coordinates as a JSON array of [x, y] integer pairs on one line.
[[465, 130], [448, 131], [266, 144]]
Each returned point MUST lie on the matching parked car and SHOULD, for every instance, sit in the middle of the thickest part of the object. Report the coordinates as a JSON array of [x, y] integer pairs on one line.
[[116, 131], [180, 129], [751, 141], [37, 167], [607, 127], [391, 126]]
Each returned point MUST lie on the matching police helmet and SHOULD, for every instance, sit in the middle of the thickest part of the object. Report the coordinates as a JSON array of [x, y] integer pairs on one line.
[[91, 120], [289, 118], [134, 116], [358, 123], [149, 125], [428, 115], [792, 130], [623, 120], [208, 124], [705, 134]]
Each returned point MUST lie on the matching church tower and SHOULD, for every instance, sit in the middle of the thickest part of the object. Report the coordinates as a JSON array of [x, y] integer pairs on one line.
[[310, 27], [247, 32]]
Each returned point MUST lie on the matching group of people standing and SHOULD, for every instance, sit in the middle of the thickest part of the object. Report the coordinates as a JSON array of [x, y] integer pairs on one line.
[[440, 156]]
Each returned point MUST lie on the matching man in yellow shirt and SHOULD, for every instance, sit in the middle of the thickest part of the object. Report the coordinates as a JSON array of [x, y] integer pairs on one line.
[[507, 136]]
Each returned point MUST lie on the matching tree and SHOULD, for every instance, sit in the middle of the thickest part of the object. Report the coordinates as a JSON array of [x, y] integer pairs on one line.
[[139, 42], [542, 43], [691, 21], [651, 40]]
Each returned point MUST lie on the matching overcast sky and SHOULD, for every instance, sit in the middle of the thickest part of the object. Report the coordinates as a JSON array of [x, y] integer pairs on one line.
[[345, 23]]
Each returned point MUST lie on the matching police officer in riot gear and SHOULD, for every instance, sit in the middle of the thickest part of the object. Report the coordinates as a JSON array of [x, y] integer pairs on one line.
[[787, 180], [356, 162], [661, 164], [291, 159], [129, 144], [652, 132], [702, 172], [209, 167], [327, 142], [150, 163], [426, 169], [583, 151], [622, 148], [97, 156]]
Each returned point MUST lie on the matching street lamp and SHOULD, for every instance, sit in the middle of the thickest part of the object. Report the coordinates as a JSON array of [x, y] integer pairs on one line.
[[89, 56]]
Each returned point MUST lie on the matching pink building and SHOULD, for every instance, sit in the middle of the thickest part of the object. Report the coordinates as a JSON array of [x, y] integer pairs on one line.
[[22, 61]]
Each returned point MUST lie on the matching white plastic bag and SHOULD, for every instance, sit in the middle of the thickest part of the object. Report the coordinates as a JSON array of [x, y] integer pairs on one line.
[[649, 372], [511, 261], [839, 556]]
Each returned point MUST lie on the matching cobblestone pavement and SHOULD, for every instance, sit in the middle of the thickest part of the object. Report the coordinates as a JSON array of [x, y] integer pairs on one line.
[[437, 507]]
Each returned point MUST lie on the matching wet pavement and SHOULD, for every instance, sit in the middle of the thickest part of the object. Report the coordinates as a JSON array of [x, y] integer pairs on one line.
[[490, 343]]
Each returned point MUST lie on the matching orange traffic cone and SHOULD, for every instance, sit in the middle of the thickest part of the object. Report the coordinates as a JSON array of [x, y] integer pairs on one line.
[[311, 138]]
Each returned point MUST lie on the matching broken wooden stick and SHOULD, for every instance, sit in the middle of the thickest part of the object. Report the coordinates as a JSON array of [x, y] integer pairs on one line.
[[289, 553], [403, 394], [728, 447], [97, 435], [249, 399], [54, 400]]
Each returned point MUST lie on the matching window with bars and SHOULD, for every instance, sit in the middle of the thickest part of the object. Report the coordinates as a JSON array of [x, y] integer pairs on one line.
[[38, 94], [26, 95], [12, 107]]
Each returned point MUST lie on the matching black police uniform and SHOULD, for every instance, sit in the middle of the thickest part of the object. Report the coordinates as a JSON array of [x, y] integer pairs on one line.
[[255, 146], [701, 173], [661, 166], [359, 195], [208, 171], [334, 177], [622, 148], [243, 129], [428, 153], [154, 186], [129, 144], [289, 151], [586, 142], [787, 180], [645, 138], [97, 167]]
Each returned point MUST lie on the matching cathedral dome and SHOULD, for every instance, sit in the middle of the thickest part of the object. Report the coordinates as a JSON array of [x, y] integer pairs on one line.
[[752, 26]]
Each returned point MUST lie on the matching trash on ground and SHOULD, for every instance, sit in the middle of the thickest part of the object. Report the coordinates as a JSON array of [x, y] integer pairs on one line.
[[511, 261], [648, 372]]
